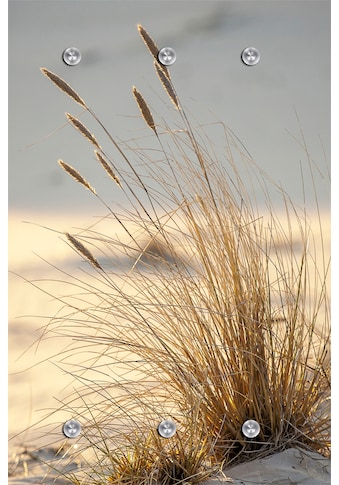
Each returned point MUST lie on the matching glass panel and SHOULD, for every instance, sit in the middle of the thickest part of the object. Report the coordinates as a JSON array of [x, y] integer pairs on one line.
[[140, 200]]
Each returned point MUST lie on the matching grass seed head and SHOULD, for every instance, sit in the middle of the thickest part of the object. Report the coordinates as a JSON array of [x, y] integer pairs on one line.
[[144, 109], [63, 86], [76, 175], [83, 130]]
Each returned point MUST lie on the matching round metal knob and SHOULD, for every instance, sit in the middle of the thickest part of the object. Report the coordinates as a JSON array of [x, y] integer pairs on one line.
[[167, 428], [71, 428], [250, 428], [250, 56], [71, 56], [167, 56]]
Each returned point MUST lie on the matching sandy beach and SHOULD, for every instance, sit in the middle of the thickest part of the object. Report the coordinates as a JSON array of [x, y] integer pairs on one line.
[[36, 383], [289, 467]]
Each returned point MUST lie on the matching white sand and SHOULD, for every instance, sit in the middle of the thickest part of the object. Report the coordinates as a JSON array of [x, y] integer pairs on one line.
[[290, 467]]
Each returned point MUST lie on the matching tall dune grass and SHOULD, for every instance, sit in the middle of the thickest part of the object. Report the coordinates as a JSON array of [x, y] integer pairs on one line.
[[216, 319]]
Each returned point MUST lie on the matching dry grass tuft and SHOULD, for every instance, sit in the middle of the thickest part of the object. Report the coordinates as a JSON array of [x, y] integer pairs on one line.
[[148, 458], [226, 322]]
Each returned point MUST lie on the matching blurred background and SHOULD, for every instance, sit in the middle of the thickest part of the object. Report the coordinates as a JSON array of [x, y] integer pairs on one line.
[[265, 105]]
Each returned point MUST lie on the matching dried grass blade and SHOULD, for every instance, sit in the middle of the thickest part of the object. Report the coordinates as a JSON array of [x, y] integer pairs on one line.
[[107, 168], [76, 175], [152, 47], [82, 250], [83, 130], [144, 109], [63, 86], [167, 84]]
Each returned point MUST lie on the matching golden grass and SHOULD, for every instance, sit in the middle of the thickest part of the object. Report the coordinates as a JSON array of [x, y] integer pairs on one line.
[[76, 175], [144, 109], [167, 83], [61, 84], [152, 47], [83, 130], [82, 250], [107, 168], [221, 318]]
